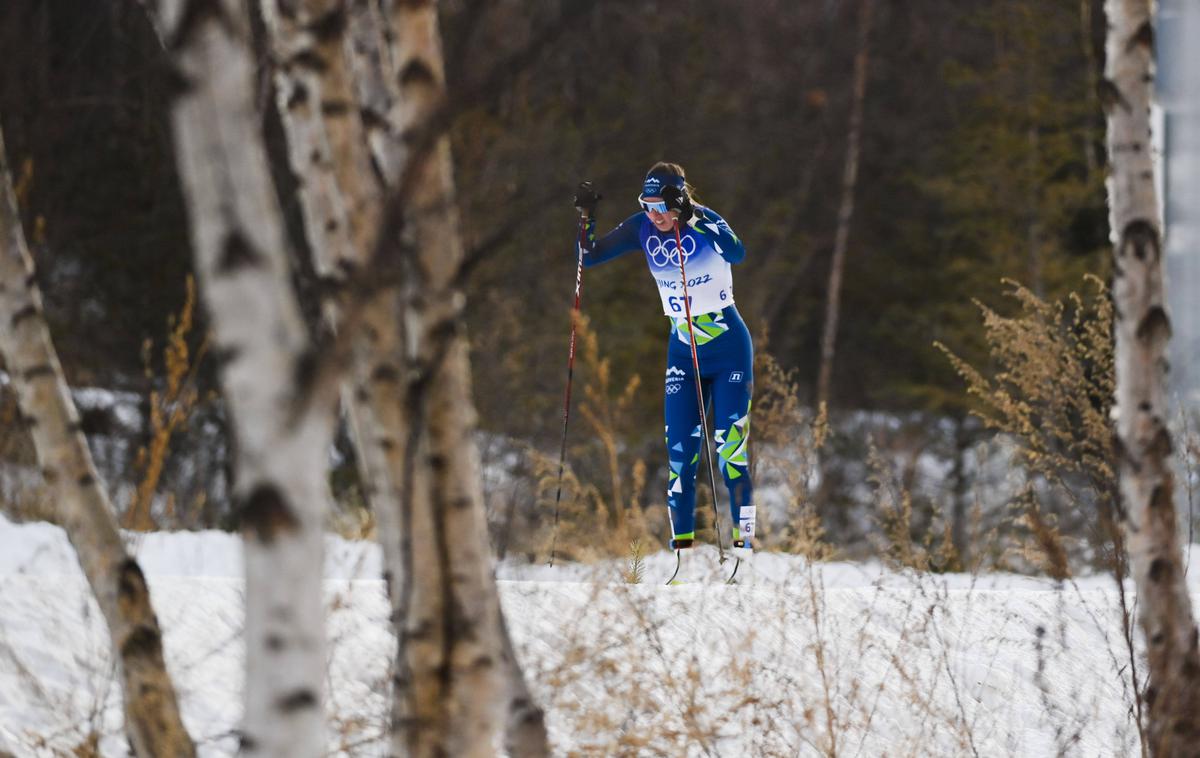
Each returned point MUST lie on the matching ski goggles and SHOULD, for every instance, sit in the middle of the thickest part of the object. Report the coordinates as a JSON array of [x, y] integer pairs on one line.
[[655, 206]]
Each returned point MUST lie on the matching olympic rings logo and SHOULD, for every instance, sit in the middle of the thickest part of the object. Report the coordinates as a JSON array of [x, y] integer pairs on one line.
[[662, 252]]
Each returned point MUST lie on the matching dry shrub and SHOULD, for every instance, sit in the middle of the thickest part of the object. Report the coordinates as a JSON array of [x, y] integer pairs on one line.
[[353, 521], [672, 701], [1045, 547], [602, 508], [170, 408], [635, 573], [901, 542], [1050, 390], [786, 440]]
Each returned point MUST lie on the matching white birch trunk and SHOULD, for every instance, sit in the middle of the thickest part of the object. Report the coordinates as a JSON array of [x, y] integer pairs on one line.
[[453, 676], [400, 432], [152, 716], [282, 423], [318, 102], [330, 156], [1143, 442], [297, 72], [377, 94]]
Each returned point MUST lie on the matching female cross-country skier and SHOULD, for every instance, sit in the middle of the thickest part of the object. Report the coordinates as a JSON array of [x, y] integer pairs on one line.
[[723, 347]]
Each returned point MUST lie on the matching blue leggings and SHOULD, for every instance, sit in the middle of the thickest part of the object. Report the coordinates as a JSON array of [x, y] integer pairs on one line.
[[726, 357]]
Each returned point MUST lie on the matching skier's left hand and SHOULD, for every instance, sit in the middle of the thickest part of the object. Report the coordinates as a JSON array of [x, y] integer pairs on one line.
[[677, 200]]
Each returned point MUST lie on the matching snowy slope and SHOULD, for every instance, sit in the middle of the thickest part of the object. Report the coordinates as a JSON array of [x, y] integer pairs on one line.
[[810, 659]]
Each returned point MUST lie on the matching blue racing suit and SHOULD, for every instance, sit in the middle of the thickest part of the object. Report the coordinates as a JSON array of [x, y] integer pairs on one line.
[[723, 350]]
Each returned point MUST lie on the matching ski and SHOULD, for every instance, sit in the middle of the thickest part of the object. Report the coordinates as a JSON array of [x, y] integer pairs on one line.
[[673, 579], [678, 563], [732, 579]]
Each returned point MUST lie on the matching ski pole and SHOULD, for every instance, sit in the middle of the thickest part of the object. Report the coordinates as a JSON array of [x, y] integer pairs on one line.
[[562, 447], [712, 477]]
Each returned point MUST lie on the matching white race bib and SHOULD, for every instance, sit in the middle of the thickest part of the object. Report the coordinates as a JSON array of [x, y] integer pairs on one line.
[[709, 276]]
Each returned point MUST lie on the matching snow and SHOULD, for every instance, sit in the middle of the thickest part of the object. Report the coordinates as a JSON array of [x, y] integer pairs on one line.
[[808, 659]]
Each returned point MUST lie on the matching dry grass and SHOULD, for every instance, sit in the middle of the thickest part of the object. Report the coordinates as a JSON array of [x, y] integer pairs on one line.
[[1050, 390], [352, 522], [786, 441], [627, 675], [832, 693], [601, 516], [636, 571], [899, 541], [897, 669], [170, 405], [82, 709]]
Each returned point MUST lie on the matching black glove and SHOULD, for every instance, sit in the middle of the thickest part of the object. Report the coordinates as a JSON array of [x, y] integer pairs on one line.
[[677, 200], [586, 198]]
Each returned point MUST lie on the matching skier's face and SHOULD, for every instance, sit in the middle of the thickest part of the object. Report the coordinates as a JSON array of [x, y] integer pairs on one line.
[[664, 222]]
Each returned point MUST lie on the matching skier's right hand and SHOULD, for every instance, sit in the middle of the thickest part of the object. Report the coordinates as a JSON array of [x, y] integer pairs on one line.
[[586, 198]]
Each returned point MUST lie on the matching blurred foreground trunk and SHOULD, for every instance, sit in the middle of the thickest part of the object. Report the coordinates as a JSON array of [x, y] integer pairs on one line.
[[1143, 443], [340, 102], [282, 412], [316, 67], [152, 720], [455, 670]]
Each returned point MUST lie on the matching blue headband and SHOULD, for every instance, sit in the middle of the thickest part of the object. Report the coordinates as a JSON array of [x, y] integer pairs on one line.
[[656, 180]]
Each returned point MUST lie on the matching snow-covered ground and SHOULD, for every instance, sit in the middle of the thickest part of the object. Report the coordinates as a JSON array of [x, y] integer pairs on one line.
[[807, 660]]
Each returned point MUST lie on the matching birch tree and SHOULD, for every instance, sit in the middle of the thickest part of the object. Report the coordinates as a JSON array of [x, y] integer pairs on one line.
[[342, 197], [282, 410], [152, 719], [315, 44], [1143, 442], [450, 673]]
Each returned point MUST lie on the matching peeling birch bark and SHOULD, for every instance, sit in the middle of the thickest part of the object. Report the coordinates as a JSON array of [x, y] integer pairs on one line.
[[318, 102], [152, 719], [298, 61], [1142, 440], [403, 383], [371, 63], [314, 54], [282, 418], [453, 674]]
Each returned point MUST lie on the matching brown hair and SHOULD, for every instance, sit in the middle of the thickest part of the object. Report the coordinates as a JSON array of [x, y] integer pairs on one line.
[[674, 169]]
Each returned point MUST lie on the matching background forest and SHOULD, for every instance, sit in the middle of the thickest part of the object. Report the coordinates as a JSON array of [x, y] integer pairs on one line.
[[295, 249], [981, 160]]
